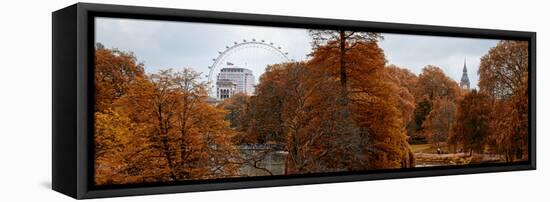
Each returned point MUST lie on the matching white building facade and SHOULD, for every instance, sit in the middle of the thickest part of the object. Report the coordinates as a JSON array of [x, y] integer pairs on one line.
[[225, 89], [242, 78]]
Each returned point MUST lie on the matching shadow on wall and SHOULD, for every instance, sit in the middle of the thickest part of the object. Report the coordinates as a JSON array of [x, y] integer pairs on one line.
[[46, 184]]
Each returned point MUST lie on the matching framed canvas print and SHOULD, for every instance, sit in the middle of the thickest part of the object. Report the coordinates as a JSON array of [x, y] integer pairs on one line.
[[154, 100]]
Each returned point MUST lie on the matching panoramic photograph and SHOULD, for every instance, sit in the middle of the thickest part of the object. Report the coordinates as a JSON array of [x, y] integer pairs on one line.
[[181, 101]]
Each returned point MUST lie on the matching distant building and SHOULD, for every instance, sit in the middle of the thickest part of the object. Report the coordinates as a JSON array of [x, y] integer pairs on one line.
[[464, 81], [225, 88], [242, 78]]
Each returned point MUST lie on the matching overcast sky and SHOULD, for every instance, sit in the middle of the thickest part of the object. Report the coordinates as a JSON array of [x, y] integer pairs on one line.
[[163, 44]]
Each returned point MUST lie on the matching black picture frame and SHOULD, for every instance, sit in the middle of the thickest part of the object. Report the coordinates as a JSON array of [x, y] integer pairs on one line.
[[73, 98]]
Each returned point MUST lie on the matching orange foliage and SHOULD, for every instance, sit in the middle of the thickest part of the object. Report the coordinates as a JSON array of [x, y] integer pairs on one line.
[[438, 124], [160, 129], [435, 94], [434, 84], [406, 84], [114, 71], [343, 110], [504, 76], [374, 102], [503, 70], [472, 122]]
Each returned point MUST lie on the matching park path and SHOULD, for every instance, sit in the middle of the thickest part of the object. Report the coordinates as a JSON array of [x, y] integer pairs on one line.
[[429, 159]]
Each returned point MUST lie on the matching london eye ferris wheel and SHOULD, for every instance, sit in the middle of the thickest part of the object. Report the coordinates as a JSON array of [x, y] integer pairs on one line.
[[256, 45]]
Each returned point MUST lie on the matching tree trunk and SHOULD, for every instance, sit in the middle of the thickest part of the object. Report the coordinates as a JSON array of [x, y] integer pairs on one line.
[[343, 76]]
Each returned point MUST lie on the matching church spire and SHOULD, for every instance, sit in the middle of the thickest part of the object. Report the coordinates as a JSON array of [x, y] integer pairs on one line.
[[464, 69], [464, 81]]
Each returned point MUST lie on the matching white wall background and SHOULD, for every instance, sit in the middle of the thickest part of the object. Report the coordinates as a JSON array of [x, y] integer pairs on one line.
[[25, 100]]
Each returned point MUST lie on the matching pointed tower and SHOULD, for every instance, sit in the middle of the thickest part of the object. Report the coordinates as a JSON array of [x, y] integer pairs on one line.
[[464, 81]]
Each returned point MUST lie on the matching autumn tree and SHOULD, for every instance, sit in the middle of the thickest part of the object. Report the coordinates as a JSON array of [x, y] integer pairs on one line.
[[119, 142], [503, 69], [471, 127], [433, 86], [188, 132], [218, 146], [404, 77], [302, 110], [293, 104], [333, 52], [421, 111], [156, 127], [341, 42], [509, 132], [503, 74], [237, 106], [372, 96], [239, 115], [255, 126], [406, 84], [439, 122], [114, 71], [120, 150], [265, 122]]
